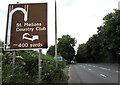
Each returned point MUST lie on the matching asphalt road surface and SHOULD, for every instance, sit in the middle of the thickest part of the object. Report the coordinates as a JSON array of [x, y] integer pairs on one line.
[[93, 73]]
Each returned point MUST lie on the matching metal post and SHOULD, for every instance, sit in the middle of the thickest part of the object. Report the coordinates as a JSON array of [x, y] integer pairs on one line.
[[13, 65], [39, 65], [1, 55], [56, 34]]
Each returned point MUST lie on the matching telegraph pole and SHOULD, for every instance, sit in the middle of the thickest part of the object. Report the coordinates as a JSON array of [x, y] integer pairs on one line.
[[56, 34]]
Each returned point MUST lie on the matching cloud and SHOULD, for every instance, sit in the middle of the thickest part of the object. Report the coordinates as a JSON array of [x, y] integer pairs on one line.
[[78, 18], [67, 2]]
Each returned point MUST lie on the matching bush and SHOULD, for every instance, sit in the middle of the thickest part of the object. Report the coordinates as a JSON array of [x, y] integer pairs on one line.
[[51, 74], [26, 68]]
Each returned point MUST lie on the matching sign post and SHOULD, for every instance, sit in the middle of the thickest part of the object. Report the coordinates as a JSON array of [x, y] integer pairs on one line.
[[39, 66], [27, 29], [1, 55], [13, 64]]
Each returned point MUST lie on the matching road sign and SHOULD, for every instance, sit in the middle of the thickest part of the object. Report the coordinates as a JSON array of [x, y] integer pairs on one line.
[[26, 26], [59, 58]]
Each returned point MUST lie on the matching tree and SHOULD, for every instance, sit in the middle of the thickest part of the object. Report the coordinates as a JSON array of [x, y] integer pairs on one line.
[[81, 53], [104, 46], [93, 46], [89, 52], [1, 44], [66, 47], [1, 47], [51, 50], [110, 36]]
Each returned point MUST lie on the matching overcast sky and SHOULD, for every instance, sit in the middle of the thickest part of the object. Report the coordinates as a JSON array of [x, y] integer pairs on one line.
[[78, 18]]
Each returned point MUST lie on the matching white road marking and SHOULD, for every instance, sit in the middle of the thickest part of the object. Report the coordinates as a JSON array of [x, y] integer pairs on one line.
[[93, 66], [117, 71], [83, 66], [104, 68], [89, 69], [103, 75]]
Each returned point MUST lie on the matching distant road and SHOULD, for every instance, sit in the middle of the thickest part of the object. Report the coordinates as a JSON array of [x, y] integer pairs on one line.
[[93, 73]]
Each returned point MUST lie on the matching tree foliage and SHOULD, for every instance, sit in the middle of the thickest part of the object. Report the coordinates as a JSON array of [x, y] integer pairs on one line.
[[104, 46], [1, 44], [65, 47], [51, 50], [26, 68]]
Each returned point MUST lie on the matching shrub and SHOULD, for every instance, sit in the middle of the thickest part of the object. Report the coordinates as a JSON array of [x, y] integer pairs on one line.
[[26, 68]]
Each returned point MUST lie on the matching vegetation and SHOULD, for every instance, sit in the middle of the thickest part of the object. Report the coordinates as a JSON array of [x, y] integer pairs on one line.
[[1, 44], [65, 47], [26, 68], [104, 46], [101, 47], [51, 50], [51, 74]]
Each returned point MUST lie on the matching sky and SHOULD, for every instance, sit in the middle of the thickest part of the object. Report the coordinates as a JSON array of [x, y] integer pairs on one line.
[[78, 18]]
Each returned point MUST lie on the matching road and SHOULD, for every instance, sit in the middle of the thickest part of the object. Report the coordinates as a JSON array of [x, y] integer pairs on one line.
[[93, 73]]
